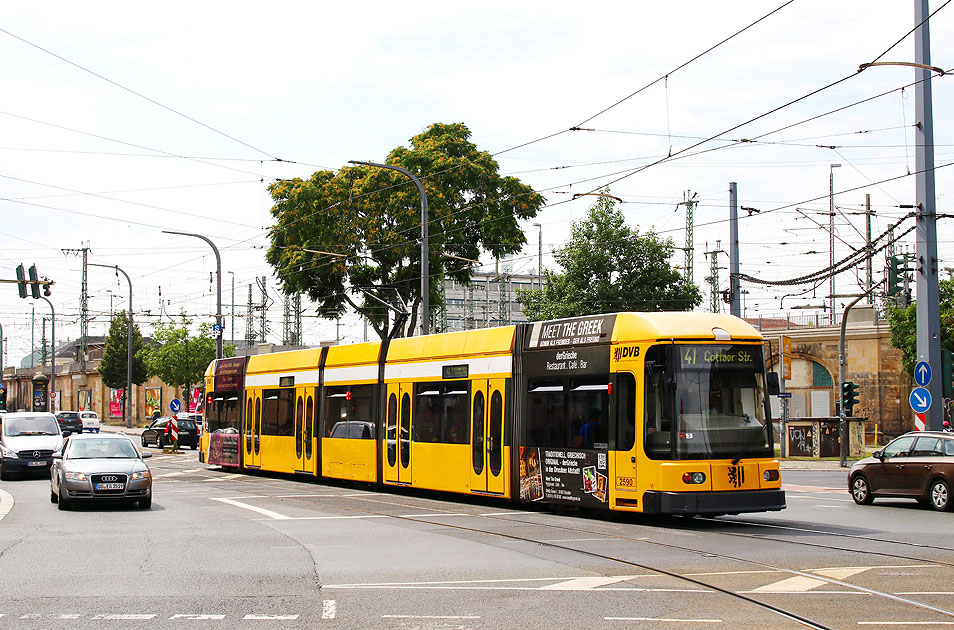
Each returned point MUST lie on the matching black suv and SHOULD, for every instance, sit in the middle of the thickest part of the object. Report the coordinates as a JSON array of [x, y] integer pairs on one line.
[[159, 433], [70, 422]]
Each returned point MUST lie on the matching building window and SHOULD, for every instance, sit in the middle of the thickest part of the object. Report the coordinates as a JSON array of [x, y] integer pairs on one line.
[[820, 376]]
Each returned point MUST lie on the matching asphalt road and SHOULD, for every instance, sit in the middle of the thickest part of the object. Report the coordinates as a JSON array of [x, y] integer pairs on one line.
[[260, 551]]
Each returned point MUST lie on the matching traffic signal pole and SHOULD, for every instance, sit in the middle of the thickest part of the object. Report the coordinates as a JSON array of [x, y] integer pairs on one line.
[[842, 374]]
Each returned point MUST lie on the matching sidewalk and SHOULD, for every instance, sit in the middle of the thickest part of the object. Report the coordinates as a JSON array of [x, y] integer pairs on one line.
[[115, 428], [814, 464]]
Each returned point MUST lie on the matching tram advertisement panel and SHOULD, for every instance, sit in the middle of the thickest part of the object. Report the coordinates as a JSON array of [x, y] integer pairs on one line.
[[566, 362], [224, 450], [577, 477], [229, 374], [578, 331]]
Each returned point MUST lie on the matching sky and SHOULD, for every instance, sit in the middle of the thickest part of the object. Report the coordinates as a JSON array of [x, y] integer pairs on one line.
[[121, 120]]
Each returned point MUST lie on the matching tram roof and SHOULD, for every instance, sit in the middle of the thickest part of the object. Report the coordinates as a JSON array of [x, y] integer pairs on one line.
[[465, 342], [681, 325], [353, 354], [284, 361]]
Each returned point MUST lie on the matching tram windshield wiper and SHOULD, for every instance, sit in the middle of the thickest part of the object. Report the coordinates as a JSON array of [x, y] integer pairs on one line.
[[748, 443]]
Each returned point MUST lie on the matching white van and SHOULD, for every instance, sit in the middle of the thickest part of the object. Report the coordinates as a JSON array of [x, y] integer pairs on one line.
[[90, 421], [27, 442]]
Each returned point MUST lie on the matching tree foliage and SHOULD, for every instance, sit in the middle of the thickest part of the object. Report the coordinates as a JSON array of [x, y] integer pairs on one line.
[[180, 359], [112, 367], [609, 267], [373, 217], [902, 322]]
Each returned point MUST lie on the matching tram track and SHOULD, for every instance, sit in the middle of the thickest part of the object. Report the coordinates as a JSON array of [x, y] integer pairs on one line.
[[776, 610]]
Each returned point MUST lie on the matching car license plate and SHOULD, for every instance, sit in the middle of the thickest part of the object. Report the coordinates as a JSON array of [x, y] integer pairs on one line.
[[109, 486], [41, 462]]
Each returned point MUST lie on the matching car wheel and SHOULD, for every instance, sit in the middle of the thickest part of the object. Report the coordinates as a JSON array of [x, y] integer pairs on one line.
[[53, 498], [4, 475], [860, 491], [62, 503], [194, 446], [940, 495], [145, 504], [144, 444]]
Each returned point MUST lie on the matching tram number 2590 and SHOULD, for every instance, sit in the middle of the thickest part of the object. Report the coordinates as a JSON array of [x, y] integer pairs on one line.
[[626, 482]]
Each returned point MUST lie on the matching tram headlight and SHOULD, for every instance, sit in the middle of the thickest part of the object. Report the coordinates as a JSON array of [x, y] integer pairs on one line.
[[770, 475], [694, 477]]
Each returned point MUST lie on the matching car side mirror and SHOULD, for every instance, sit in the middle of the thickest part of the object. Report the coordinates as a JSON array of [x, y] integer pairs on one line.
[[879, 455], [145, 454]]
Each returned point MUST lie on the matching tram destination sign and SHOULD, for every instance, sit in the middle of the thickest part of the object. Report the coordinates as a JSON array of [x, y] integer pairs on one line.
[[578, 331], [229, 374], [704, 357]]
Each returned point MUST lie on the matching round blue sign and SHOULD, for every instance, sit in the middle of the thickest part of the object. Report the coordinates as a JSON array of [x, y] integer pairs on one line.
[[920, 399], [922, 373], [175, 405]]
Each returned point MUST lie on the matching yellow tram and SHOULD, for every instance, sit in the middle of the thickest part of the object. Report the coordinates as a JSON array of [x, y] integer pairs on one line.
[[642, 412]]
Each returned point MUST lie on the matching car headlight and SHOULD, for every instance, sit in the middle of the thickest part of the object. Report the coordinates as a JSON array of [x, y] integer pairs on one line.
[[141, 474], [75, 476], [8, 452]]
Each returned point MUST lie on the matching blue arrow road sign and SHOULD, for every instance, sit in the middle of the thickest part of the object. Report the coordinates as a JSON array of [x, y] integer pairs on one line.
[[175, 405], [922, 373], [920, 399]]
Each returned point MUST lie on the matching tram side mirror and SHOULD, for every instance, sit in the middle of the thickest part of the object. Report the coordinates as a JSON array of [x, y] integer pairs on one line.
[[772, 383]]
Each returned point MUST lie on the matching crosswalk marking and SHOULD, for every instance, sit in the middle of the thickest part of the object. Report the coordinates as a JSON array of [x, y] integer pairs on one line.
[[586, 583], [802, 583]]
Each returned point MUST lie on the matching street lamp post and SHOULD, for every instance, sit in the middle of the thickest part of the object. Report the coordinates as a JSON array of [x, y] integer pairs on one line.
[[127, 393], [831, 229], [218, 288], [539, 255], [232, 311], [425, 279]]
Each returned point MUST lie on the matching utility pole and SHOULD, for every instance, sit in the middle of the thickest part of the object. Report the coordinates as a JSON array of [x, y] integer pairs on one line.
[[689, 202], [928, 307], [735, 294], [263, 324], [232, 310], [84, 304], [831, 235], [296, 321], [869, 279], [250, 321], [713, 278]]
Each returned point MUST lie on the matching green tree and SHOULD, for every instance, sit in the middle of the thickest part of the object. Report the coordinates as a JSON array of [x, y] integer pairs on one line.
[[902, 322], [112, 367], [180, 359], [373, 217], [609, 267]]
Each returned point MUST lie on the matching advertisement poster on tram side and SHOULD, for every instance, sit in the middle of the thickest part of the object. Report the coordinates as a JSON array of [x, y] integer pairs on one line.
[[224, 449], [578, 477]]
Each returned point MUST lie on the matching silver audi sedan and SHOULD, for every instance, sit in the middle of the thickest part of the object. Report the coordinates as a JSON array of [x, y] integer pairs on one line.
[[100, 466]]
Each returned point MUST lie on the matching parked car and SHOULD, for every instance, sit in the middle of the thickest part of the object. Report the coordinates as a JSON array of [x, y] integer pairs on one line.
[[27, 442], [159, 434], [90, 421], [918, 465], [70, 422], [100, 467]]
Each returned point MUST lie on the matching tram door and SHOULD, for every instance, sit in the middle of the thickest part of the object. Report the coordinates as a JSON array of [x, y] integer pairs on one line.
[[626, 419], [253, 429], [397, 437], [486, 436], [304, 421]]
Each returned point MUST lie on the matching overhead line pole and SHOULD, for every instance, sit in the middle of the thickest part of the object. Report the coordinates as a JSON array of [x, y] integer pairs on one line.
[[127, 408], [218, 288]]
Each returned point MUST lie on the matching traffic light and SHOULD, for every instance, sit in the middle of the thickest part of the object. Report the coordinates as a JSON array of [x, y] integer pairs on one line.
[[21, 280], [34, 279], [894, 275], [849, 396]]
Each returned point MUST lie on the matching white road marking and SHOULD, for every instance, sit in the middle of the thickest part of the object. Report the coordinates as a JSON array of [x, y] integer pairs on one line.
[[925, 593], [6, 503], [110, 617], [662, 619], [197, 617], [328, 609], [224, 477], [177, 473], [263, 511], [430, 616], [906, 623], [271, 617], [802, 583], [586, 583]]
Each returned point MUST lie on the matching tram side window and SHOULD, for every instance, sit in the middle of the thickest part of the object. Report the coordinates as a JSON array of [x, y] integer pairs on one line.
[[658, 400], [442, 412], [222, 412], [625, 412], [569, 413], [348, 412], [278, 412]]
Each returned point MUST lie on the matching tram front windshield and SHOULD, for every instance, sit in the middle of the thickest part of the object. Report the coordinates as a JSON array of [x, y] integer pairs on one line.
[[706, 402]]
